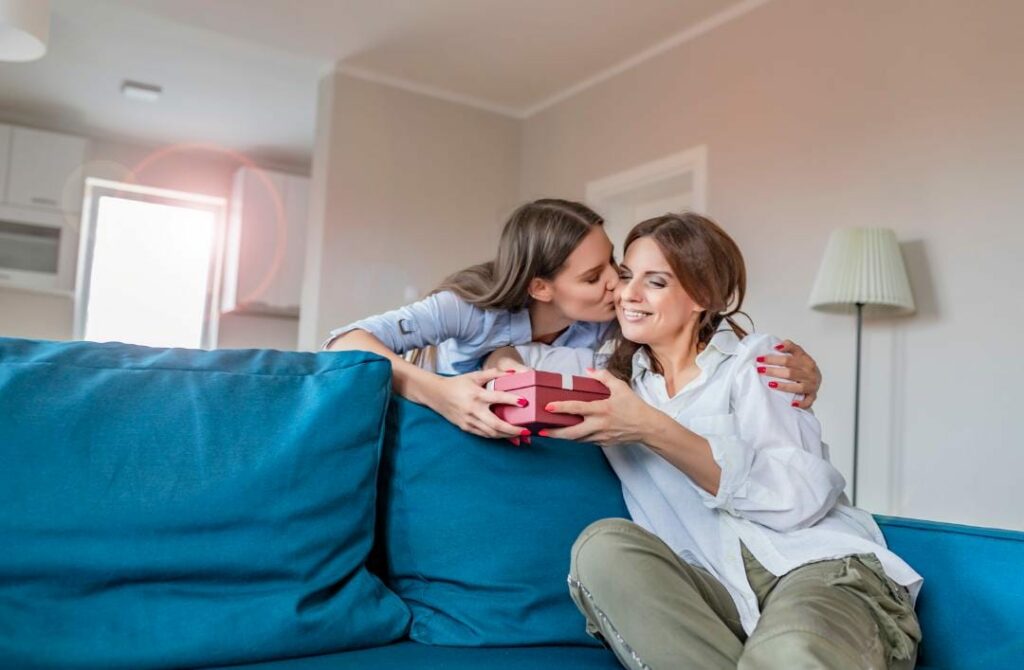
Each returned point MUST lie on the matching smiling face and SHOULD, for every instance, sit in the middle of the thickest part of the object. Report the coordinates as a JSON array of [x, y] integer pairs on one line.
[[583, 290], [650, 302]]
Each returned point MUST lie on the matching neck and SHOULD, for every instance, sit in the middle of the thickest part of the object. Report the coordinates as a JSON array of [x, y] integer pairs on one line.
[[677, 356], [546, 321]]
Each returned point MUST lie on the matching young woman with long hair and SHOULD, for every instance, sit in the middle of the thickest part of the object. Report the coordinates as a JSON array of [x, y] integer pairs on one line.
[[552, 281], [743, 550]]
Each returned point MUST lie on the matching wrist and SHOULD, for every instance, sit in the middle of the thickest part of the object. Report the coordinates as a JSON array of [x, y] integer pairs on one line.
[[418, 385]]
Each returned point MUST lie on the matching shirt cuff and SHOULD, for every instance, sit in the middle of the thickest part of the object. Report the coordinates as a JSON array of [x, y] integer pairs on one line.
[[735, 459]]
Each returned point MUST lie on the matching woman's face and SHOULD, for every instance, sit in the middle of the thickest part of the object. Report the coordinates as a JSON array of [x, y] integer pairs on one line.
[[584, 289], [650, 303]]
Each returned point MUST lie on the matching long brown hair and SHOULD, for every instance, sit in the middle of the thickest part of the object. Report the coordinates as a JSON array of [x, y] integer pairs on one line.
[[708, 265], [536, 242]]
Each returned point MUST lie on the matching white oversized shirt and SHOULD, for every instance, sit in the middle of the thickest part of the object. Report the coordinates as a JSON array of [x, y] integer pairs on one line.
[[778, 494]]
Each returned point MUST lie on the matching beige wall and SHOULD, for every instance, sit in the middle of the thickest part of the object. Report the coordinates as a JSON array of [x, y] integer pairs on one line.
[[195, 170], [855, 113], [406, 189]]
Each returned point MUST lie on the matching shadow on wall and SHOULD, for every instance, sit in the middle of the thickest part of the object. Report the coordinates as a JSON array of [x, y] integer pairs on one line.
[[892, 355]]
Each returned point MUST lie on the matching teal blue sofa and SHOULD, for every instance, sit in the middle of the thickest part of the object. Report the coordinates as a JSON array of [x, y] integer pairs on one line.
[[280, 510]]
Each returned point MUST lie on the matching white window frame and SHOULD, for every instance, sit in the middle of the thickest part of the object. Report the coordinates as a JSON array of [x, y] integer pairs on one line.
[[95, 189], [603, 194]]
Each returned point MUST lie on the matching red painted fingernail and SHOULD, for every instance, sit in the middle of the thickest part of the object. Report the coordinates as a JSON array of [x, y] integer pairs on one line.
[[543, 432], [514, 441], [760, 359], [796, 403], [779, 347], [773, 385], [511, 372], [526, 440], [761, 370], [523, 402], [550, 407], [524, 432]]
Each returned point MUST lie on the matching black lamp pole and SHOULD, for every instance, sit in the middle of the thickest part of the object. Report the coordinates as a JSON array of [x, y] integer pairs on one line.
[[856, 401]]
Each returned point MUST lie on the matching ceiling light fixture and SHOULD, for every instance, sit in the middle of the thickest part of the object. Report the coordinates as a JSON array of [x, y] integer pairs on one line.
[[24, 29], [133, 90]]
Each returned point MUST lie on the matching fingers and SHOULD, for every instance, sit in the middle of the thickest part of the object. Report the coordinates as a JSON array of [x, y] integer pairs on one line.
[[503, 398], [790, 347], [603, 376], [486, 424], [777, 372], [580, 407], [782, 360], [787, 387], [481, 377], [579, 433], [808, 401]]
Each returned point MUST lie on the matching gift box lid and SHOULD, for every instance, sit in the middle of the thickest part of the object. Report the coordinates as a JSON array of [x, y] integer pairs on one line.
[[556, 380]]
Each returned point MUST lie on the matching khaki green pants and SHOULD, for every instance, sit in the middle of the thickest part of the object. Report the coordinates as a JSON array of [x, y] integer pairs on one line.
[[656, 611]]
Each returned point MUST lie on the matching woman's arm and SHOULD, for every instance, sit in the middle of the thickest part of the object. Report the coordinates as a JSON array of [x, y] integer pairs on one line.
[[762, 462], [462, 399], [625, 418], [436, 318]]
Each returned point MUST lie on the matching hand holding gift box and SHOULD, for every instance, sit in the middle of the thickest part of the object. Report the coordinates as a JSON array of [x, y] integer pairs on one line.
[[540, 388]]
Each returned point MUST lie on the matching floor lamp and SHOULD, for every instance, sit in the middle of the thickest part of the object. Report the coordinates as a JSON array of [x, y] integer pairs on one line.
[[862, 267]]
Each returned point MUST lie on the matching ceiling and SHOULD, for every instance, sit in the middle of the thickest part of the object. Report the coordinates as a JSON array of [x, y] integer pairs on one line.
[[243, 73]]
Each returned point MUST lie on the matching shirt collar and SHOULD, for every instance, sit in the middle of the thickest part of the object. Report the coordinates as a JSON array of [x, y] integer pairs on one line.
[[723, 344]]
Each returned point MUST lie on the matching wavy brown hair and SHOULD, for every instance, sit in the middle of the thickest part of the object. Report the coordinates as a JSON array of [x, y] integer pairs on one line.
[[536, 242], [708, 265]]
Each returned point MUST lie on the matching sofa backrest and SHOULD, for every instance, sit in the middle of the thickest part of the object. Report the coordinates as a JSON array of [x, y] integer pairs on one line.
[[972, 604]]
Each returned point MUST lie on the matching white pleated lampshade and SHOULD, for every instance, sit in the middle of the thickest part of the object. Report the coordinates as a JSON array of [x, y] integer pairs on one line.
[[862, 265], [24, 29]]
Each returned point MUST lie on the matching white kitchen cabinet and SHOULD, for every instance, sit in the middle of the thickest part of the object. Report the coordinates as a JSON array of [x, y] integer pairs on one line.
[[45, 170], [265, 243]]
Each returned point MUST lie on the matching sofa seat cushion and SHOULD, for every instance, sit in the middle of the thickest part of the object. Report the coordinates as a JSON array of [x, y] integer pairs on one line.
[[412, 655], [177, 508]]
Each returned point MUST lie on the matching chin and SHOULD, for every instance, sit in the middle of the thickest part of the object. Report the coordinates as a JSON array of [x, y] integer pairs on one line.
[[634, 333]]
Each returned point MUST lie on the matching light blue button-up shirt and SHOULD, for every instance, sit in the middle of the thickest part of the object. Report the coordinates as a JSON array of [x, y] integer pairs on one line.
[[463, 333]]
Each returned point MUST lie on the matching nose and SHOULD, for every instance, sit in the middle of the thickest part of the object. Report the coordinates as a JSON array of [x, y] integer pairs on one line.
[[626, 291], [612, 278]]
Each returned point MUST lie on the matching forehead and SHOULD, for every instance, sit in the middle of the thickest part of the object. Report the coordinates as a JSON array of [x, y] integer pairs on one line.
[[595, 248], [644, 253]]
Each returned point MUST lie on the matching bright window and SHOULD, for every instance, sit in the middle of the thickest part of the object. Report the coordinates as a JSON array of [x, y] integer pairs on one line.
[[149, 274]]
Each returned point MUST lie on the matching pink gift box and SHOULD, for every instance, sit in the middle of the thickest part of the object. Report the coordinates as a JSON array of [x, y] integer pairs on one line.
[[540, 388]]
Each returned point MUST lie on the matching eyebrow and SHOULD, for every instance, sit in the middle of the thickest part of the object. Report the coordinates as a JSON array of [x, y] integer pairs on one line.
[[596, 268], [666, 273]]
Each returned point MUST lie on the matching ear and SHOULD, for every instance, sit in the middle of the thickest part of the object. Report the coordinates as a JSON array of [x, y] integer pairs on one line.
[[540, 290]]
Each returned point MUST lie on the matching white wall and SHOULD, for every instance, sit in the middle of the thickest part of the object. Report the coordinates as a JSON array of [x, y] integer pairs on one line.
[[195, 170], [406, 189], [855, 113]]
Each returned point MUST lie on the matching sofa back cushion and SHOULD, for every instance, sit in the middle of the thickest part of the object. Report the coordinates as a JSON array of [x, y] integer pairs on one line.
[[177, 508], [476, 533], [971, 606]]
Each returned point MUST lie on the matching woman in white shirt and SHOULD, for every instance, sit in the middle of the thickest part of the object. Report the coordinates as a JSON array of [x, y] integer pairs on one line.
[[551, 281], [743, 550]]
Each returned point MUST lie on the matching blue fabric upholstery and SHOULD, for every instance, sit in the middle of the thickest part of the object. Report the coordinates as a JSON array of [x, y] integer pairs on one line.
[[175, 508], [476, 533], [170, 508], [416, 656], [971, 607]]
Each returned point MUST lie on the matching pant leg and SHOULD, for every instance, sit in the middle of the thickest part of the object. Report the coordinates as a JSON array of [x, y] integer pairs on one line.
[[835, 614], [653, 609]]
